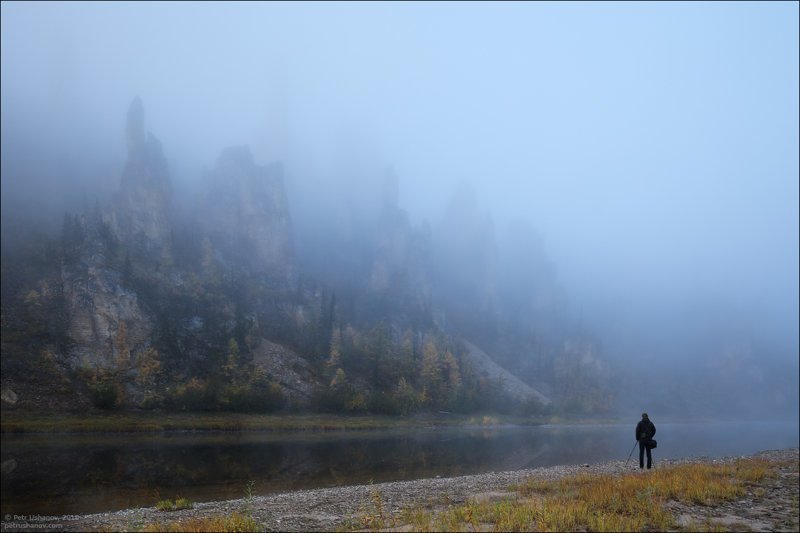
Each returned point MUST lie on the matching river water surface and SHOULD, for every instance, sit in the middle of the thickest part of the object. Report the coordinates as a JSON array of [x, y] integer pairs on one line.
[[70, 473]]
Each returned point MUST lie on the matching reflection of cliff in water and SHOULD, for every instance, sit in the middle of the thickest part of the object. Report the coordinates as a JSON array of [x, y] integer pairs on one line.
[[64, 474], [74, 473]]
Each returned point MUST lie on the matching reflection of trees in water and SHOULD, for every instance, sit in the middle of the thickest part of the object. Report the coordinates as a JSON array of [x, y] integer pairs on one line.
[[91, 476], [81, 475]]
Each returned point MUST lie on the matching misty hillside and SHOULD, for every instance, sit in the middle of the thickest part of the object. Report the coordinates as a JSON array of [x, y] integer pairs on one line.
[[134, 306], [224, 296]]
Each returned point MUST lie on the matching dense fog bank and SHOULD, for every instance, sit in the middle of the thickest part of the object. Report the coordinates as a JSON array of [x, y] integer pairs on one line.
[[609, 212]]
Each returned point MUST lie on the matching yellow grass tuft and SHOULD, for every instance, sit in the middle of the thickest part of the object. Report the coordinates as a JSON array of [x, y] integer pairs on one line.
[[177, 505], [234, 522], [631, 502]]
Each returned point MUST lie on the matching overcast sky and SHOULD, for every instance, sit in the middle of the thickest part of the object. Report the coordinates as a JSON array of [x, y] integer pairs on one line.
[[654, 146]]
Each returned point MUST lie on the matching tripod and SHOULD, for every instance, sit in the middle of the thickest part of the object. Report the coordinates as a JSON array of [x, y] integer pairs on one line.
[[631, 454]]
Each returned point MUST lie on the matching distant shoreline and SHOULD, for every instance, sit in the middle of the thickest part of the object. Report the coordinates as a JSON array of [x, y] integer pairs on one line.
[[774, 506], [37, 422], [156, 422]]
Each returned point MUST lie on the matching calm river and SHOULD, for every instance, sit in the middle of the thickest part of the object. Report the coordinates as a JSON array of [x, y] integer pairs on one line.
[[69, 474]]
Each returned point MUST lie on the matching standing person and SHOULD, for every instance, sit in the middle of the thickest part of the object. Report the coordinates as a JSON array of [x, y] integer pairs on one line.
[[645, 430]]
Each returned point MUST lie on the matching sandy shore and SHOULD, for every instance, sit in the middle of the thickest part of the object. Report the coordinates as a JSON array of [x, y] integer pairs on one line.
[[772, 507]]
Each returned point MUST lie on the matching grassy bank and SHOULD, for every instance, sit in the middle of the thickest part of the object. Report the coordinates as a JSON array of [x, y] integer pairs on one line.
[[630, 502], [586, 502], [18, 422]]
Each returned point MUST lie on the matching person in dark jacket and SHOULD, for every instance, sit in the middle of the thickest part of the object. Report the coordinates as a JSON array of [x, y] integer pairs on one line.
[[645, 430]]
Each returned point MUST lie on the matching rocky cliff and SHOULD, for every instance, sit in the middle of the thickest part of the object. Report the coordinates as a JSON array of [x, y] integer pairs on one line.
[[137, 307], [107, 325], [399, 268], [144, 314], [140, 216], [246, 216]]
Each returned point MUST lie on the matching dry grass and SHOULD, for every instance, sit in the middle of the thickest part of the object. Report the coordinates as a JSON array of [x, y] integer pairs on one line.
[[177, 505], [631, 502], [374, 516], [232, 522]]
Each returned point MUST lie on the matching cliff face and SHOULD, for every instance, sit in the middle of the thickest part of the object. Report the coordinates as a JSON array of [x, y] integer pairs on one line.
[[400, 265], [107, 324], [109, 330], [246, 216], [140, 216], [209, 311], [134, 316]]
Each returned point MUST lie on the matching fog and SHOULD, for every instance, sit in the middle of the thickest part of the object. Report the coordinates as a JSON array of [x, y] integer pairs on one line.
[[640, 161]]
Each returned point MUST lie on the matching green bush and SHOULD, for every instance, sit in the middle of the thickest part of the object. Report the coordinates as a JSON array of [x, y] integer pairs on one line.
[[330, 400], [341, 399], [195, 395], [260, 396], [104, 395], [150, 401], [383, 404], [406, 397]]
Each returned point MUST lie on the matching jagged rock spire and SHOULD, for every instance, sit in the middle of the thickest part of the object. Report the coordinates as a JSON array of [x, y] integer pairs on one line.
[[134, 129], [141, 213]]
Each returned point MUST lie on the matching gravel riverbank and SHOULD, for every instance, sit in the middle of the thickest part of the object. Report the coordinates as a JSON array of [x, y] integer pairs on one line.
[[772, 507]]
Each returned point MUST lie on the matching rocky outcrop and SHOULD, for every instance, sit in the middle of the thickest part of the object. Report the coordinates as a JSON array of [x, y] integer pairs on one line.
[[120, 279], [246, 215], [107, 325], [401, 262], [140, 215], [288, 369], [486, 366], [8, 396], [157, 317]]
